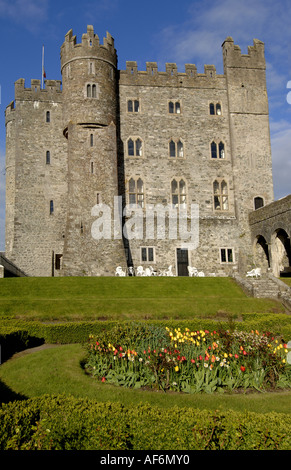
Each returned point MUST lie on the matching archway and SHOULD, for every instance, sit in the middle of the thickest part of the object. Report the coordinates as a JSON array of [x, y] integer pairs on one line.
[[261, 254], [281, 253]]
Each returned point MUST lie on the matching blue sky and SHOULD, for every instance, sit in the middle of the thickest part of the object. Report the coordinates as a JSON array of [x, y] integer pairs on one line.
[[185, 31]]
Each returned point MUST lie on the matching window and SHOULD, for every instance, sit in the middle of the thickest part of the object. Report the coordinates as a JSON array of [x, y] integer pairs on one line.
[[58, 262], [51, 207], [48, 116], [134, 147], [48, 157], [136, 192], [174, 107], [213, 150], [217, 150], [92, 168], [133, 106], [178, 192], [220, 195], [226, 255], [258, 202], [176, 149], [215, 109], [91, 90], [91, 140], [147, 254]]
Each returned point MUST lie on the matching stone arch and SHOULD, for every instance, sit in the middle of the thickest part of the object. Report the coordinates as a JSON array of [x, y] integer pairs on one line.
[[281, 252], [261, 253]]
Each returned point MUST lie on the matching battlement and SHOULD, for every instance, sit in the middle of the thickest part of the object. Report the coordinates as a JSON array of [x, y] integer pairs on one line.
[[51, 92], [171, 76], [90, 47], [232, 56]]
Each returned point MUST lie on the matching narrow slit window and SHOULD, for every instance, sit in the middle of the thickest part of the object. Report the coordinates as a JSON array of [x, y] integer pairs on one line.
[[51, 206], [48, 116], [91, 140], [221, 150], [48, 157], [213, 150], [172, 149]]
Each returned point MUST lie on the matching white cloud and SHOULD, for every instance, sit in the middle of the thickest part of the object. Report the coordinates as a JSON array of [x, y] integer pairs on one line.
[[28, 12]]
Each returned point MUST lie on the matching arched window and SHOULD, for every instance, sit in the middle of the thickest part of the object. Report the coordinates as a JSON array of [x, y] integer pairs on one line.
[[221, 150], [91, 90], [258, 202], [213, 150], [176, 149], [215, 109], [134, 147], [178, 192], [136, 192], [220, 195], [174, 107], [133, 106]]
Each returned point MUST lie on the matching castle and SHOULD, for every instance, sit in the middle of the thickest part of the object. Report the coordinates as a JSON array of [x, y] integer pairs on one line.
[[100, 166]]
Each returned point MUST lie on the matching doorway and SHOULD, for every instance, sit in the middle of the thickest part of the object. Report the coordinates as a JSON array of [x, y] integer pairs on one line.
[[182, 261]]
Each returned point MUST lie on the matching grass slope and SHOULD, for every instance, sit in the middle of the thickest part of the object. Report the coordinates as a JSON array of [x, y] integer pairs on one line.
[[83, 298]]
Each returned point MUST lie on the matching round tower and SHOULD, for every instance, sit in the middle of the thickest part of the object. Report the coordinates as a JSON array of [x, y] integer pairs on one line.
[[89, 124], [89, 79]]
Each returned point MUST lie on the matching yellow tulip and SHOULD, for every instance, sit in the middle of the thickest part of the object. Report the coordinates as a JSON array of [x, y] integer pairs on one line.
[[176, 368]]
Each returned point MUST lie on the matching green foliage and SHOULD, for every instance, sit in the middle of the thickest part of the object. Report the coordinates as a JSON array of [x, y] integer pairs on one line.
[[67, 423]]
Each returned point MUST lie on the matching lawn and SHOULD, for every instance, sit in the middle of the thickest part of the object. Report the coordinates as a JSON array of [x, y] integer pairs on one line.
[[81, 298], [58, 370]]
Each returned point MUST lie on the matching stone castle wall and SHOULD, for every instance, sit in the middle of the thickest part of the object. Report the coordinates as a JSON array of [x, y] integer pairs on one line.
[[90, 136]]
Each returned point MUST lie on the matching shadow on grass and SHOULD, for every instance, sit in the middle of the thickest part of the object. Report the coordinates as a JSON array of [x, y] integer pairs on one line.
[[7, 395]]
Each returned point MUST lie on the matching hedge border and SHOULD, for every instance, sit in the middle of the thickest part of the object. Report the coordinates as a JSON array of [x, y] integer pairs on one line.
[[68, 423]]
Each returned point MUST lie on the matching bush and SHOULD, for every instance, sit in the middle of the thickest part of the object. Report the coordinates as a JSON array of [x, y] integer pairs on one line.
[[67, 423]]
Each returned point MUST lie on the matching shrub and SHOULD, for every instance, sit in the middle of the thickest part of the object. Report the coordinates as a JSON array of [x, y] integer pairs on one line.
[[67, 423]]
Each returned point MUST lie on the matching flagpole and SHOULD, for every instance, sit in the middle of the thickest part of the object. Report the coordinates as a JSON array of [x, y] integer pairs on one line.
[[42, 67]]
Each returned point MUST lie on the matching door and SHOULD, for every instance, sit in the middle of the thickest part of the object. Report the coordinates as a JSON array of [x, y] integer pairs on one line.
[[182, 261]]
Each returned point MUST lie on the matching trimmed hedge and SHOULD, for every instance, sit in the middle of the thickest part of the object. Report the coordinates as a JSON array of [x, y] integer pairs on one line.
[[16, 335], [67, 423]]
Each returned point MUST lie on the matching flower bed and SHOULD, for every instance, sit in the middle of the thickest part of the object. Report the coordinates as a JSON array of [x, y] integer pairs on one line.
[[189, 361]]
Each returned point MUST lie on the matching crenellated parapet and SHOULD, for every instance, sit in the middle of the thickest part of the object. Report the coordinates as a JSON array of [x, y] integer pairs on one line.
[[254, 59], [170, 77], [51, 92], [89, 48]]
